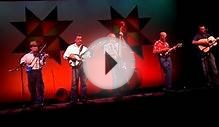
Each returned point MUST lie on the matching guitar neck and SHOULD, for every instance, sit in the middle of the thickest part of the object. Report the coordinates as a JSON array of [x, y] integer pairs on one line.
[[171, 49], [174, 48]]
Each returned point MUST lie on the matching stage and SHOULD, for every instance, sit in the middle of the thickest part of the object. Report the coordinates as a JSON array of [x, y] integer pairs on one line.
[[190, 99], [55, 24]]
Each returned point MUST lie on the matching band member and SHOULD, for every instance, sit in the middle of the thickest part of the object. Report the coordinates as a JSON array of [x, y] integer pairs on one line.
[[122, 36], [204, 41], [33, 61], [75, 53], [161, 47], [113, 48]]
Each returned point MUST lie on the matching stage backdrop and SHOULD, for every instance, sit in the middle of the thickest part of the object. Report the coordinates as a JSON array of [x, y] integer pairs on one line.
[[57, 22]]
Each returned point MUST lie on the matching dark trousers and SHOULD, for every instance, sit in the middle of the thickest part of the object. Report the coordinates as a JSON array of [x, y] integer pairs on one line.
[[36, 86], [78, 74], [166, 65], [210, 69]]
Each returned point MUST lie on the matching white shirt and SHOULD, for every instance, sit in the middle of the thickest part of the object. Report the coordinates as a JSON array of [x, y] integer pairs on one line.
[[74, 49], [32, 62], [113, 48]]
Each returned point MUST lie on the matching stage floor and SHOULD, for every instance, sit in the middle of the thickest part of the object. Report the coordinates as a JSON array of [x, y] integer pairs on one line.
[[181, 101]]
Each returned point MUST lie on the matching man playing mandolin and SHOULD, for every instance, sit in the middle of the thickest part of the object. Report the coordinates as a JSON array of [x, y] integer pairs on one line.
[[204, 42], [162, 49]]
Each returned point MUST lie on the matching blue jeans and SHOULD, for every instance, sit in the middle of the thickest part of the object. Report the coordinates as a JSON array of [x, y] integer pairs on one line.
[[166, 65], [78, 74], [210, 69]]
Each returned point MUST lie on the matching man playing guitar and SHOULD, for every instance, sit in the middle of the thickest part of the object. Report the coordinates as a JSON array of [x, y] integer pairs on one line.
[[162, 49], [203, 39], [75, 53]]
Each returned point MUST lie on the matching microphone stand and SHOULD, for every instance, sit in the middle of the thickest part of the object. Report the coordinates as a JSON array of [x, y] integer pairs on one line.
[[20, 68], [22, 84]]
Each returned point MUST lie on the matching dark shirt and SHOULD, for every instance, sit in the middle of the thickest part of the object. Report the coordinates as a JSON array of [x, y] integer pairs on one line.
[[197, 37], [200, 36]]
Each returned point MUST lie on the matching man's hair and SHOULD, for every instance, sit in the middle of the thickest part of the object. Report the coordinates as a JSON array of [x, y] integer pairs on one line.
[[201, 25], [162, 32], [78, 34], [33, 43]]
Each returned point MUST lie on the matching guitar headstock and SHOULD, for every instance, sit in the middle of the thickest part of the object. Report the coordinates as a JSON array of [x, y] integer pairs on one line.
[[178, 45]]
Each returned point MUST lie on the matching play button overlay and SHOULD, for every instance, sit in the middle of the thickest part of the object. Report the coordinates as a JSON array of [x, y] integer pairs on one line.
[[111, 63]]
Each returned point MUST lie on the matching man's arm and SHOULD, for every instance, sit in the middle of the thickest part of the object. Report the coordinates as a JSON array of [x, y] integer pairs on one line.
[[23, 61], [197, 41], [72, 57], [161, 50], [67, 54], [157, 50], [203, 42]]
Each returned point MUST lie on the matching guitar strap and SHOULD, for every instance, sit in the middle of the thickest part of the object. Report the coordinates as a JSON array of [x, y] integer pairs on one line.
[[81, 49]]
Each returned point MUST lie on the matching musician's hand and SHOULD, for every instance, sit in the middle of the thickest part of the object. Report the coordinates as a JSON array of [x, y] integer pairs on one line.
[[79, 59], [166, 53], [72, 56], [207, 43], [46, 55], [203, 42], [23, 64], [175, 47]]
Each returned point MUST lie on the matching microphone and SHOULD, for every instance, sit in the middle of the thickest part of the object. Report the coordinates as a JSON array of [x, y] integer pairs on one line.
[[10, 70], [17, 68]]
